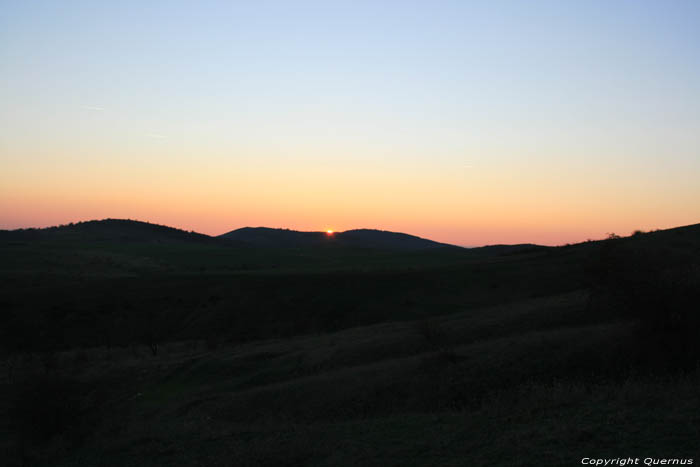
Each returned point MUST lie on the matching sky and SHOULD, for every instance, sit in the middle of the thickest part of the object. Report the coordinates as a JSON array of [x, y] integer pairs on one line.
[[465, 122]]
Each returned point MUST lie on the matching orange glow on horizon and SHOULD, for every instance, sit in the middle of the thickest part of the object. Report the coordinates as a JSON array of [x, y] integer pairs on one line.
[[483, 207]]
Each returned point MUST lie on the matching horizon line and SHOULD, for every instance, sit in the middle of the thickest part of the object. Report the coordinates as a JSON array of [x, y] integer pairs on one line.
[[69, 224]]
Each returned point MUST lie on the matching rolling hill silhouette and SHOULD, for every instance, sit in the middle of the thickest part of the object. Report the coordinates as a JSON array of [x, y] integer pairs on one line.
[[119, 230], [359, 238], [132, 231]]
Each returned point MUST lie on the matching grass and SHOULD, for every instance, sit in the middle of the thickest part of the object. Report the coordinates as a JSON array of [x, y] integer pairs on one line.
[[531, 383], [475, 360]]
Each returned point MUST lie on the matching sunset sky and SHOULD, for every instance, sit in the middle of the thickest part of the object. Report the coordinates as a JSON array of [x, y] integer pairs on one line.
[[464, 122]]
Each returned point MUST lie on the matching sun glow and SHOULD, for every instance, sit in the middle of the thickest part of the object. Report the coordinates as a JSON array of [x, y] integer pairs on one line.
[[329, 232]]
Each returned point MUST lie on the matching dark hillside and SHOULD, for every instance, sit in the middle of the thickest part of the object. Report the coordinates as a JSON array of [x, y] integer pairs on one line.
[[130, 248], [120, 230], [381, 239], [360, 238], [277, 238], [189, 353]]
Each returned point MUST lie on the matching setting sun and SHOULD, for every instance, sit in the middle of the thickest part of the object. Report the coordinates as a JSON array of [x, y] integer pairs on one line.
[[329, 232]]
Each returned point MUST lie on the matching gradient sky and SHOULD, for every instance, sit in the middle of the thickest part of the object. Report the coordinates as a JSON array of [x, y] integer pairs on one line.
[[465, 122]]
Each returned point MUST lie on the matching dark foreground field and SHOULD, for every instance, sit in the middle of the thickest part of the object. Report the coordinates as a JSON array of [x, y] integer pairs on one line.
[[169, 348]]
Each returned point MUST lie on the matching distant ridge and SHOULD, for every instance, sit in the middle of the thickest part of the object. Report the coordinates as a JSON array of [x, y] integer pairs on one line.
[[373, 238], [359, 238], [120, 230], [133, 231]]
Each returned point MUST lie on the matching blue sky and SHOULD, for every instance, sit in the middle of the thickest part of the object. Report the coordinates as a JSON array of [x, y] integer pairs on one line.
[[603, 96]]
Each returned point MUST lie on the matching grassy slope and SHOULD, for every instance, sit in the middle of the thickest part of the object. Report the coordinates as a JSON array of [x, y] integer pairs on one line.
[[279, 302], [526, 384], [476, 360]]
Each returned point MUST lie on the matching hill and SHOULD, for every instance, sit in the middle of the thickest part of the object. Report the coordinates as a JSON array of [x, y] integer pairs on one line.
[[132, 231], [371, 238], [119, 230], [339, 356], [359, 238], [276, 238], [117, 247]]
